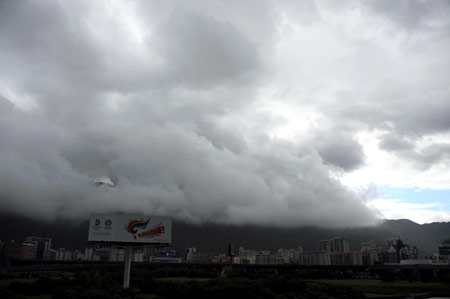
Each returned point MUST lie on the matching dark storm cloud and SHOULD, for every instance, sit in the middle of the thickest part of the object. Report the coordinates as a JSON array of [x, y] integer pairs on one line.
[[406, 96], [410, 14], [48, 37], [410, 116], [339, 149], [433, 153], [419, 114], [165, 170], [169, 119], [379, 67], [200, 51], [423, 157], [392, 142]]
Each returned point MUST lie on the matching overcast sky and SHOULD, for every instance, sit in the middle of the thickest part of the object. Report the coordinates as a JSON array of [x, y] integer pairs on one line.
[[332, 113]]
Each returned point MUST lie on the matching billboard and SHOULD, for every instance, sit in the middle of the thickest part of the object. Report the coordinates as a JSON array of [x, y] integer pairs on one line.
[[130, 228]]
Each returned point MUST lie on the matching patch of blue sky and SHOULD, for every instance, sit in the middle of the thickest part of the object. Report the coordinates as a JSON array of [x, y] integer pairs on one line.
[[417, 196]]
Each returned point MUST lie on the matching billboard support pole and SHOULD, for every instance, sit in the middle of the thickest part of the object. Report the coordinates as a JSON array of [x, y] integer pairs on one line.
[[127, 268]]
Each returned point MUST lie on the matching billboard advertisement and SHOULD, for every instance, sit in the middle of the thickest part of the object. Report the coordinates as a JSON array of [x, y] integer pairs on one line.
[[130, 228]]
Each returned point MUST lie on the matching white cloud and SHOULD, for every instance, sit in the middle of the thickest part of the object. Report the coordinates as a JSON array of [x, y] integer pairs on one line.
[[387, 168], [399, 209]]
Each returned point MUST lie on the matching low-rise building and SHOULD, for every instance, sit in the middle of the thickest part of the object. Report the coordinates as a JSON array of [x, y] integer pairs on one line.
[[77, 256], [60, 254], [3, 249], [290, 256], [19, 251], [246, 256], [89, 254], [369, 257], [369, 253], [149, 250], [346, 258], [267, 258], [67, 255], [314, 258], [137, 256], [161, 257], [195, 255], [103, 251], [395, 251], [116, 255]]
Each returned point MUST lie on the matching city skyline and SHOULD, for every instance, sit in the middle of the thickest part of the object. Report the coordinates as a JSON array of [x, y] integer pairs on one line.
[[336, 252]]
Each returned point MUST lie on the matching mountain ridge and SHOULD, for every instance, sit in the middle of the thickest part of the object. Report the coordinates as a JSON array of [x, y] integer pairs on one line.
[[426, 237]]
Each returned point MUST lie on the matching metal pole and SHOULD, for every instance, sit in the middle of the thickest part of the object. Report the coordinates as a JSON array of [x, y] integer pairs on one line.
[[127, 269]]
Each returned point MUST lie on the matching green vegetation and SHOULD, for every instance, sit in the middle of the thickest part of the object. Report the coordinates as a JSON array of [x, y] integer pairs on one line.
[[197, 283], [145, 284], [391, 288], [273, 287]]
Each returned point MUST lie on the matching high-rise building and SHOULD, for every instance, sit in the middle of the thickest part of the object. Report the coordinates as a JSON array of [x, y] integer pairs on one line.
[[41, 247], [323, 245], [368, 246], [444, 249], [403, 250], [52, 254], [387, 255], [340, 245]]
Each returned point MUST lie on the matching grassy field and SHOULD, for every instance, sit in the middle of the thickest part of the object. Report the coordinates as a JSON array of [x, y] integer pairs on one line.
[[391, 288], [4, 283], [183, 279], [366, 286]]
